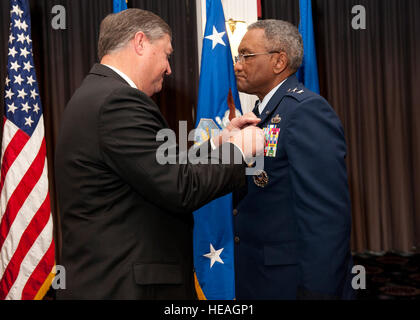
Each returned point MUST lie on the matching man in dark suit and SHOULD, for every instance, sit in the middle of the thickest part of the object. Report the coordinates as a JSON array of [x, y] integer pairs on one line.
[[126, 220], [292, 222]]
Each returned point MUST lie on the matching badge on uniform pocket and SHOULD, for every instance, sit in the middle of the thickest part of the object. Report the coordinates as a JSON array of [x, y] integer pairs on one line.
[[271, 138]]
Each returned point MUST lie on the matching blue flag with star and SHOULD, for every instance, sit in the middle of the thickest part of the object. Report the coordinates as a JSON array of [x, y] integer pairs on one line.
[[218, 102], [119, 5], [308, 72]]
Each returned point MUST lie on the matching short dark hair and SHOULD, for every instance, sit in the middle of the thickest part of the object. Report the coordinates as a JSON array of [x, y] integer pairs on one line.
[[119, 28]]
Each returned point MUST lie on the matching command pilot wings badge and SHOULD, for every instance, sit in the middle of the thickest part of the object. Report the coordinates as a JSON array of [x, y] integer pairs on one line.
[[276, 119]]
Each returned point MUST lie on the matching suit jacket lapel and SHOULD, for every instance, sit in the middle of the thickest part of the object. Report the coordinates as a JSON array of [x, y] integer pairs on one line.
[[275, 100]]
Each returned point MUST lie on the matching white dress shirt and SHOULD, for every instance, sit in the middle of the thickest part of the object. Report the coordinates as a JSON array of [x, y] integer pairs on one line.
[[123, 75], [268, 96]]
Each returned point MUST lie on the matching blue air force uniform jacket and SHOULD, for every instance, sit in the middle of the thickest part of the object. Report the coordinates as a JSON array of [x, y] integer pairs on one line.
[[292, 236]]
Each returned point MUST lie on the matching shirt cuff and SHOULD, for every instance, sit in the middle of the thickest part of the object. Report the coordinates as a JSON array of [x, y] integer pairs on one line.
[[213, 147]]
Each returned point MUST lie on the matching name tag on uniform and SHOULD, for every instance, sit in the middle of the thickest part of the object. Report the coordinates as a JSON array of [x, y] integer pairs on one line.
[[271, 138]]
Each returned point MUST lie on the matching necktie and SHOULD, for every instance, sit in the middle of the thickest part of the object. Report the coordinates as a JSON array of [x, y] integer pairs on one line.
[[256, 109]]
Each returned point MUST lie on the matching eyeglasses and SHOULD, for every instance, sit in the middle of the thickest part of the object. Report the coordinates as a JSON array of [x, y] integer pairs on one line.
[[241, 57]]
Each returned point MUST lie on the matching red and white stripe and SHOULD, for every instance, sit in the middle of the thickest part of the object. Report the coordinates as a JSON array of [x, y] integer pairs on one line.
[[26, 227]]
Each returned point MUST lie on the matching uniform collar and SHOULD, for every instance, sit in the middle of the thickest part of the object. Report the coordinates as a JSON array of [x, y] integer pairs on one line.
[[278, 95], [268, 96]]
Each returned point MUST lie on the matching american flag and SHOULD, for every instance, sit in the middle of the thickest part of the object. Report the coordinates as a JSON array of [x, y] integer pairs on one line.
[[27, 253]]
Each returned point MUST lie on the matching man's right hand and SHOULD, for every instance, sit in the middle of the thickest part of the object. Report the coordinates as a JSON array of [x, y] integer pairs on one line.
[[248, 119], [251, 141]]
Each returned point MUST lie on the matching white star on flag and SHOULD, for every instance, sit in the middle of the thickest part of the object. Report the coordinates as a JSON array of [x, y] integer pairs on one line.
[[21, 38], [26, 107], [27, 66], [7, 81], [15, 66], [18, 24], [216, 37], [36, 108], [22, 94], [214, 255], [12, 107], [33, 94], [28, 121], [24, 25], [18, 79], [24, 52], [11, 38], [17, 10], [30, 80], [9, 93], [12, 52]]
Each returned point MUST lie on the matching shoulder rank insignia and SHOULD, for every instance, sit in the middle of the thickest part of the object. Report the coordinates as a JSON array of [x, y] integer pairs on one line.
[[276, 119], [295, 90]]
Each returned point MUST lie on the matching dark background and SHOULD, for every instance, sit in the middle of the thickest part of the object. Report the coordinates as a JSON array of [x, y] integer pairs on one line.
[[370, 77]]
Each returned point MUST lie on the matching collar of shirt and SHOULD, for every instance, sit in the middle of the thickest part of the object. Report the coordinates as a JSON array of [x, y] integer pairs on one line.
[[123, 75], [268, 96]]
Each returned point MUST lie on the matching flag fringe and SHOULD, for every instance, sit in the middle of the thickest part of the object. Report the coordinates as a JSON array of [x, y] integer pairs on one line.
[[198, 289], [46, 285]]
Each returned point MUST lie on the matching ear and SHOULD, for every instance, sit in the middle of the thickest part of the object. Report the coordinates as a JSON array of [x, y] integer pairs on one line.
[[281, 62], [139, 42]]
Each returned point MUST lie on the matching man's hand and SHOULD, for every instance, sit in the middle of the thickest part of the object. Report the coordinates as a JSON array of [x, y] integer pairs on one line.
[[250, 140], [249, 119]]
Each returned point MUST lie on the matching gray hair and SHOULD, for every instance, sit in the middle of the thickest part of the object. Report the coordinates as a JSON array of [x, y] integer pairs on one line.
[[282, 36], [118, 29]]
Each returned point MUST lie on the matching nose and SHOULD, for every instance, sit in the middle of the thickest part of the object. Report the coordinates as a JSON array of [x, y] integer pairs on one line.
[[237, 67], [168, 69]]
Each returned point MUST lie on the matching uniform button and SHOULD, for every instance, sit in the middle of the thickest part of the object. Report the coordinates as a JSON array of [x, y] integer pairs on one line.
[[237, 240], [235, 212]]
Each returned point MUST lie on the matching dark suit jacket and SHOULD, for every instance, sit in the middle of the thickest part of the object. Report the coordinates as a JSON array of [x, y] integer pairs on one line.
[[293, 235], [126, 220]]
